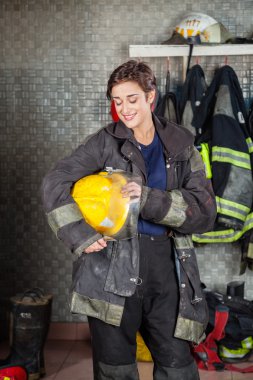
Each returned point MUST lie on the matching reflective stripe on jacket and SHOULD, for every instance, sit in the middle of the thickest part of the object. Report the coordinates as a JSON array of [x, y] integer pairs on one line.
[[221, 117]]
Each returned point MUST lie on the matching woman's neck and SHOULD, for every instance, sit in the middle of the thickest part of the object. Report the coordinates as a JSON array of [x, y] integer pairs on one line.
[[145, 136]]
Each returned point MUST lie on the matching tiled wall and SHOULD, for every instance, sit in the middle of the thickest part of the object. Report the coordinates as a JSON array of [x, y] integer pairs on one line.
[[56, 56]]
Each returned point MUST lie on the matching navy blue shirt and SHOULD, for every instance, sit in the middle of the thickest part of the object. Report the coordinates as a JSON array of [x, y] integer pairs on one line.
[[156, 178]]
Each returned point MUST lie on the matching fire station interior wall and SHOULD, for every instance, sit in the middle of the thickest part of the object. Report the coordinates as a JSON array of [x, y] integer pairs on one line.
[[56, 56]]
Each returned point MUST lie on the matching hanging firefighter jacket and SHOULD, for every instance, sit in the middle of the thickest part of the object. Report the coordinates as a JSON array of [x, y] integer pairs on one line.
[[221, 118], [167, 105], [250, 121], [194, 89]]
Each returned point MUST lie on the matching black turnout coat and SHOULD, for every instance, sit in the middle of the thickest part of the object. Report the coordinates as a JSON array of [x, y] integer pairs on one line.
[[102, 280]]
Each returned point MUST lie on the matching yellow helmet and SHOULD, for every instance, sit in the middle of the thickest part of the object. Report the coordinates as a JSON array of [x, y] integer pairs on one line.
[[101, 202]]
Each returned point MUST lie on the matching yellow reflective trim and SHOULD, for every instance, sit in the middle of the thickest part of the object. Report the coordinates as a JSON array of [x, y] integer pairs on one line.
[[233, 209], [234, 214], [233, 204], [224, 236], [248, 225], [250, 144], [247, 342], [235, 153], [231, 156], [225, 352]]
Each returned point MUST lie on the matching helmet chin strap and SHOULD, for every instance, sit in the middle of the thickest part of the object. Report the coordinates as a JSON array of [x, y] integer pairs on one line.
[[189, 57], [191, 41]]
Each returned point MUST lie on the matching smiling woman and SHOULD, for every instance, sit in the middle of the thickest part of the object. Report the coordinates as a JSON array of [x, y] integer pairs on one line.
[[132, 284], [133, 107], [132, 89]]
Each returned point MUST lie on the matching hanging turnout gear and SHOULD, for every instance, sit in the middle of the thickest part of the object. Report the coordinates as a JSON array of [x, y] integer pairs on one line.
[[167, 105], [250, 121], [247, 242], [30, 319], [221, 118], [194, 89]]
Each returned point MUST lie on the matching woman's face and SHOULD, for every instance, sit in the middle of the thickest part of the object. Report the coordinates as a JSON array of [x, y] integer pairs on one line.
[[132, 104]]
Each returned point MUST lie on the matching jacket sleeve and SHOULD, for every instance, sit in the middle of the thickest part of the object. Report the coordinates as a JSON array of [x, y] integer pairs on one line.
[[189, 209], [62, 212]]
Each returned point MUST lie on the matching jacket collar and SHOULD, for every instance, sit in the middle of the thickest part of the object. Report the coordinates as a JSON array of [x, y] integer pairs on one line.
[[175, 138]]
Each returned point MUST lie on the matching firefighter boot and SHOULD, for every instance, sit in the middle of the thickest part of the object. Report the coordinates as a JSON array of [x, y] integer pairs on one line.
[[28, 316], [189, 372], [39, 293]]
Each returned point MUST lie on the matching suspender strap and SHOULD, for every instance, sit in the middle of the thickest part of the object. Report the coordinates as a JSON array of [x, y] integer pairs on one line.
[[189, 57]]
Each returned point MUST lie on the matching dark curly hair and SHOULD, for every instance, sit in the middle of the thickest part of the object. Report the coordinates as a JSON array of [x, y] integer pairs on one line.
[[132, 70]]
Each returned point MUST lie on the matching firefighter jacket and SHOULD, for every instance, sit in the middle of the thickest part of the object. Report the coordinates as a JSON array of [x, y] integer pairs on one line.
[[193, 90], [102, 280], [221, 117]]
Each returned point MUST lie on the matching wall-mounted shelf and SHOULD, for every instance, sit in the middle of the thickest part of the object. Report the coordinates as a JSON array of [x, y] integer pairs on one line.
[[183, 50], [168, 51]]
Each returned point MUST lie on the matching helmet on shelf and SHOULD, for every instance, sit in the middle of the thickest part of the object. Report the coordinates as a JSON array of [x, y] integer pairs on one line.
[[197, 28]]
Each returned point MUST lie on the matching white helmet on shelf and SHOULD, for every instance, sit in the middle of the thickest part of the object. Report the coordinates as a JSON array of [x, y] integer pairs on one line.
[[199, 28]]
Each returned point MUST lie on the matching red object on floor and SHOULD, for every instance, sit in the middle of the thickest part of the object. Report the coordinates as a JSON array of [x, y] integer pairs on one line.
[[13, 373]]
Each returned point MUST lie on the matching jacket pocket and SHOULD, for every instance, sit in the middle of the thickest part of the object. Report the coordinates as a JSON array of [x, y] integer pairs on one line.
[[123, 272]]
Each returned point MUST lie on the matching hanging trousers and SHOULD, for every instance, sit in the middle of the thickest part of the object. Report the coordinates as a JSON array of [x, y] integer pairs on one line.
[[152, 310]]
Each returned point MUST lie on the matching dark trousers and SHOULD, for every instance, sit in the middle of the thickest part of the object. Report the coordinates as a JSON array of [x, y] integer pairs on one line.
[[152, 310]]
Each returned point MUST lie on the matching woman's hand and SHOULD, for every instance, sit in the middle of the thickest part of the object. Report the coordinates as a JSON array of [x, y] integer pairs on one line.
[[97, 246], [131, 189]]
